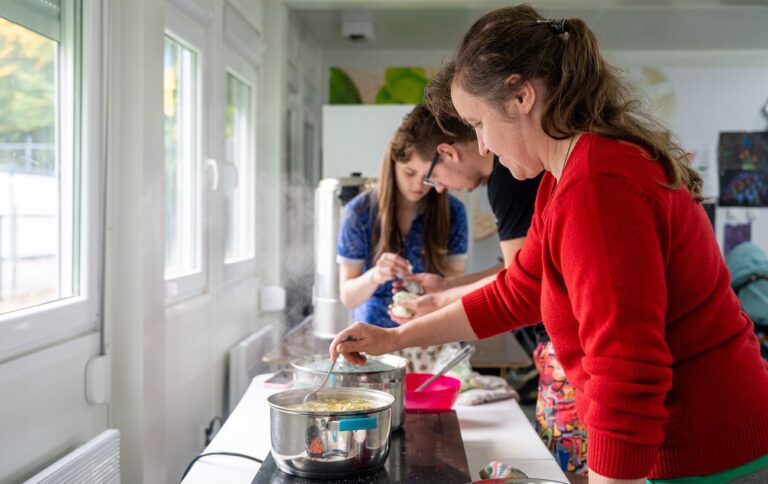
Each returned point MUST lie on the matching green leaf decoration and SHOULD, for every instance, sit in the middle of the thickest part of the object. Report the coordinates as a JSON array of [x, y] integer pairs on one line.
[[342, 90], [383, 97], [403, 85], [392, 73]]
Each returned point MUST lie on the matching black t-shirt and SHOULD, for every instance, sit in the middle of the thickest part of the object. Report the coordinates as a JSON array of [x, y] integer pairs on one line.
[[512, 201]]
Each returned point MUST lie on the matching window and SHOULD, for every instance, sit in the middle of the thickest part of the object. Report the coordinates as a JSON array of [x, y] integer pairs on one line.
[[50, 229], [182, 167], [35, 248], [210, 106], [37, 207], [239, 159], [185, 114]]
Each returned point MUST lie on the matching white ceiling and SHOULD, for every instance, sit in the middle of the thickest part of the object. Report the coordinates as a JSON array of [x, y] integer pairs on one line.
[[619, 24]]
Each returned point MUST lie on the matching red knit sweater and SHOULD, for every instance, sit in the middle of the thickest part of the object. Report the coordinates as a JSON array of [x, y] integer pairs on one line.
[[632, 288]]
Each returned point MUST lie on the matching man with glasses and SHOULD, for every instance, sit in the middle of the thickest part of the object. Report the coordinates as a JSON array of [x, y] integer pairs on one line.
[[460, 166]]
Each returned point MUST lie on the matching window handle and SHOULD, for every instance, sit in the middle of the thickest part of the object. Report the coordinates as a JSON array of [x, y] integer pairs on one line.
[[214, 167]]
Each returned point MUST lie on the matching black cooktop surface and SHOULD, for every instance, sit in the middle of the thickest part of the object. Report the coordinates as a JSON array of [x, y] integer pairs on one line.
[[428, 449]]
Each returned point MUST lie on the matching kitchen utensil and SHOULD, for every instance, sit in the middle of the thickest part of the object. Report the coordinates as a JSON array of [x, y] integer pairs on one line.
[[441, 394], [385, 373], [466, 351], [313, 394], [330, 444]]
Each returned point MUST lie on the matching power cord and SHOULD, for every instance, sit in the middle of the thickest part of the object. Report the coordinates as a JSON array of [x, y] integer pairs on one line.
[[231, 454], [209, 429]]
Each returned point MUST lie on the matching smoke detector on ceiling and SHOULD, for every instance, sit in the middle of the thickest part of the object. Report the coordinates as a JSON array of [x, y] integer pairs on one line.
[[357, 26]]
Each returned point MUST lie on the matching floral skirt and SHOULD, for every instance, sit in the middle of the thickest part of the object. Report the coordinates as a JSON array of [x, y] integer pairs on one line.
[[557, 423]]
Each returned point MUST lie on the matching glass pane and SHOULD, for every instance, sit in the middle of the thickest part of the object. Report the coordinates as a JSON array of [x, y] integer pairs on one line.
[[182, 191], [36, 248], [238, 182]]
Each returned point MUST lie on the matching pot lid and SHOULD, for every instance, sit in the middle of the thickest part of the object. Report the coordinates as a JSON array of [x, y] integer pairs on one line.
[[375, 364]]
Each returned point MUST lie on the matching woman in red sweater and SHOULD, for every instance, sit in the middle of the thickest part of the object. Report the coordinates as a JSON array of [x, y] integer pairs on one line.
[[620, 262]]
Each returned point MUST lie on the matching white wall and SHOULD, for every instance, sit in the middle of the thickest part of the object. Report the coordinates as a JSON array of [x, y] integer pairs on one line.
[[43, 412], [355, 137], [135, 287], [714, 91], [169, 362]]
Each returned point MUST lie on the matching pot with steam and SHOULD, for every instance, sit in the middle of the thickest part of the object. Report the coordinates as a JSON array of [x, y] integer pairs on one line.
[[385, 373], [344, 433]]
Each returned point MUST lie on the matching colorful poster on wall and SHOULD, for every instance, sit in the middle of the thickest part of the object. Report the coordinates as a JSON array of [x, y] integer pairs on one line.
[[391, 85], [743, 159], [735, 234]]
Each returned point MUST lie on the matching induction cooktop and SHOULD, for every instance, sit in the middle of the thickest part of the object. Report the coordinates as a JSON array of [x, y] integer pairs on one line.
[[428, 449]]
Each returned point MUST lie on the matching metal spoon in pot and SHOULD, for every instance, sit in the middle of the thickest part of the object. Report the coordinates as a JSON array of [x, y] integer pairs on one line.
[[311, 396]]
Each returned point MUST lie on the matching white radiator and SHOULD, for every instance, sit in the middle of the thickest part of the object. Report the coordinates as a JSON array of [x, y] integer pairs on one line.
[[245, 362], [95, 462]]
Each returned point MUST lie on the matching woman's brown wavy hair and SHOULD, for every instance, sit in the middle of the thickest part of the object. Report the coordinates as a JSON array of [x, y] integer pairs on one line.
[[584, 93], [419, 133]]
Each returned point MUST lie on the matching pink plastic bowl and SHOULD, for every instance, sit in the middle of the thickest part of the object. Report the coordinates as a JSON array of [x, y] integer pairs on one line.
[[440, 395]]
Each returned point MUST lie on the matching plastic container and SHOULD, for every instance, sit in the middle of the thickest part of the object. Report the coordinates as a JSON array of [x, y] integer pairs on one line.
[[440, 395]]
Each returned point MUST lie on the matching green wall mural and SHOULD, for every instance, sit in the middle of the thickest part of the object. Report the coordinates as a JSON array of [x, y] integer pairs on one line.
[[392, 85], [342, 89]]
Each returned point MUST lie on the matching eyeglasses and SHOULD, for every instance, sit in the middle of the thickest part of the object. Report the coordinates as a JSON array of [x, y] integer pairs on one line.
[[428, 180]]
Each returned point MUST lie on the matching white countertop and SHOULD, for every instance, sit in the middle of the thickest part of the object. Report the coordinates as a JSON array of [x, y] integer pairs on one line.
[[494, 431]]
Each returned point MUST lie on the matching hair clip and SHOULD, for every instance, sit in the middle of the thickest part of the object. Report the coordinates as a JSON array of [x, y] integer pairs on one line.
[[556, 24]]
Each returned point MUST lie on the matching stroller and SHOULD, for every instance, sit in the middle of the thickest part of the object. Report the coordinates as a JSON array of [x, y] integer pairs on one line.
[[749, 279]]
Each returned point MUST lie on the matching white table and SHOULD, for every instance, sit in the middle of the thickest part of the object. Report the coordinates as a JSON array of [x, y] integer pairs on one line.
[[495, 431]]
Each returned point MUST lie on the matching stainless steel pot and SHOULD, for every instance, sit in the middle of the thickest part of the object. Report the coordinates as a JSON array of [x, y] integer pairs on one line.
[[307, 373], [320, 444]]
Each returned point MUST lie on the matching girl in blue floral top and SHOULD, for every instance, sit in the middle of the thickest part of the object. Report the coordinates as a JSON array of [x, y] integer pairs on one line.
[[401, 224]]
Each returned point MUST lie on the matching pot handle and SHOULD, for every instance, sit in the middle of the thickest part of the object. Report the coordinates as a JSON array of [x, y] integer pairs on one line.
[[358, 424]]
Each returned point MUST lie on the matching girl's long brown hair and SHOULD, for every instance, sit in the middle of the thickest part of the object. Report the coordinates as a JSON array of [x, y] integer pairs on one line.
[[584, 93], [419, 133]]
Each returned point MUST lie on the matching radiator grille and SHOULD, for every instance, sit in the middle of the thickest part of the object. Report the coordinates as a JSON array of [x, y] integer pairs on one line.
[[95, 462], [245, 362]]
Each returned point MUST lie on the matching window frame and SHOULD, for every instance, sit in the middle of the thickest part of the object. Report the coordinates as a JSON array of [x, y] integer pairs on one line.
[[188, 33], [248, 72], [81, 102]]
